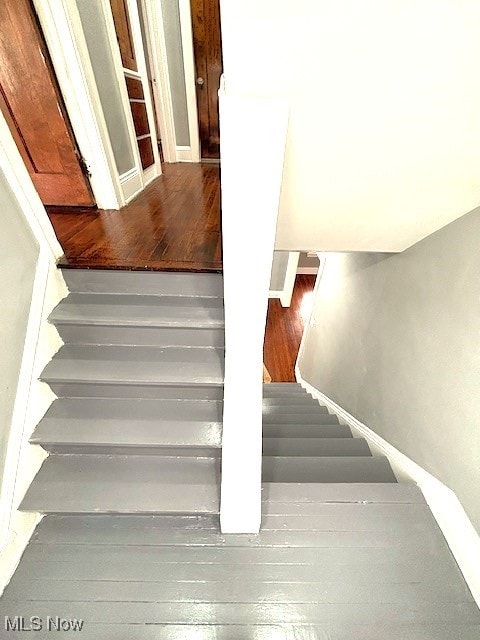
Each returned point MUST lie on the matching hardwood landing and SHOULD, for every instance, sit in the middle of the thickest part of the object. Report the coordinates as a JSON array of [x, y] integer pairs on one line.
[[284, 330], [173, 225]]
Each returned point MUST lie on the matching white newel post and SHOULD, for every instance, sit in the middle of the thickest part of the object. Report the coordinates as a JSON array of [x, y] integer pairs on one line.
[[251, 185]]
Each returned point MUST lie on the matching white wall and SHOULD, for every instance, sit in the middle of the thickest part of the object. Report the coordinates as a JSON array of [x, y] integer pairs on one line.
[[384, 132]]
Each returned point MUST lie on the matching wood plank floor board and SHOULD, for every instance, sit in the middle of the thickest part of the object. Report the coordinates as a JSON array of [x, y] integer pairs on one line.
[[250, 613], [234, 591], [174, 224], [284, 331], [380, 631]]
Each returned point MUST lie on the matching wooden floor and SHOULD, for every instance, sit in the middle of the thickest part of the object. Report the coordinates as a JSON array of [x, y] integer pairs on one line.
[[173, 225], [332, 562], [284, 330]]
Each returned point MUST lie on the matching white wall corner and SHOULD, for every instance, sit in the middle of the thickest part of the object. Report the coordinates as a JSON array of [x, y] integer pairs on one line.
[[459, 532]]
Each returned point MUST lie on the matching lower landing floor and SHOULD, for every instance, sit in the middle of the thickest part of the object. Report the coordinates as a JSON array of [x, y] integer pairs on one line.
[[332, 562]]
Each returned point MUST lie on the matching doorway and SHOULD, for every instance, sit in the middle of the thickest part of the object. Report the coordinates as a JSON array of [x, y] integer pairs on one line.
[[207, 46], [31, 102]]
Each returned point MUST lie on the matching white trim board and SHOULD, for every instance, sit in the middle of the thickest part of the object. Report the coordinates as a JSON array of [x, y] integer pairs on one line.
[[185, 154], [157, 51], [447, 510], [132, 184], [190, 79], [307, 271]]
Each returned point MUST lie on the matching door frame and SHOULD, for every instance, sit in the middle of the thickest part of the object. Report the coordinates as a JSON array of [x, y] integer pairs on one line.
[[63, 33], [163, 96], [157, 53], [190, 80]]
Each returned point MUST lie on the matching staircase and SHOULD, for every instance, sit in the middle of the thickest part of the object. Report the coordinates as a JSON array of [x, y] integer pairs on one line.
[[136, 427], [131, 543], [302, 442]]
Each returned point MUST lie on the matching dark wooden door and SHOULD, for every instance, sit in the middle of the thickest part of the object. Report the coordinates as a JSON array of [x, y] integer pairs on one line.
[[207, 43], [31, 102]]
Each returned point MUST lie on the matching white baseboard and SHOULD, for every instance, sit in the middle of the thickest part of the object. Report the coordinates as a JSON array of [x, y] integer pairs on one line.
[[307, 271], [460, 534], [185, 154], [131, 183]]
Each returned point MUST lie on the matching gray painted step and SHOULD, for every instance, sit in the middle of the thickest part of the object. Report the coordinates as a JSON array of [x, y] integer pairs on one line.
[[283, 389], [309, 447], [300, 418], [282, 385], [294, 409], [326, 469], [76, 367], [144, 282], [139, 427], [143, 336], [301, 401], [139, 311], [124, 484], [306, 431]]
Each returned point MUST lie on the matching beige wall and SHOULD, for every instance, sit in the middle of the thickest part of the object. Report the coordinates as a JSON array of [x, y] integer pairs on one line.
[[395, 341], [384, 99]]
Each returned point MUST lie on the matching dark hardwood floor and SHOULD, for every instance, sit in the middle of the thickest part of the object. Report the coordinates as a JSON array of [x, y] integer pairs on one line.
[[284, 330], [173, 225]]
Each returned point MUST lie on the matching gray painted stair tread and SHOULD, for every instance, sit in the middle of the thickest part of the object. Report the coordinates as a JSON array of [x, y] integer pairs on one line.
[[132, 433], [299, 418], [143, 283], [306, 431], [124, 484], [138, 310], [315, 447], [292, 496], [326, 469], [143, 365]]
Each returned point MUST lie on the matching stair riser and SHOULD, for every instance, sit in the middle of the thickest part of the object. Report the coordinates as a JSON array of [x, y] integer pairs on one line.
[[307, 447], [327, 469], [306, 431], [108, 449], [306, 401], [295, 410], [285, 394], [142, 336], [317, 419], [146, 283], [172, 392]]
